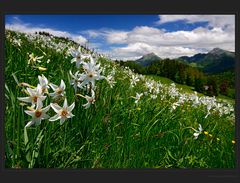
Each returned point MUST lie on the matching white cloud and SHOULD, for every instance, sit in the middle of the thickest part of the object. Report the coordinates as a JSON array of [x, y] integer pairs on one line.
[[92, 33], [116, 37], [219, 32], [136, 50], [197, 38], [27, 28], [143, 39], [111, 36], [213, 20]]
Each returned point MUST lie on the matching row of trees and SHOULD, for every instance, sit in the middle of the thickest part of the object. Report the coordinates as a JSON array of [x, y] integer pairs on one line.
[[183, 73]]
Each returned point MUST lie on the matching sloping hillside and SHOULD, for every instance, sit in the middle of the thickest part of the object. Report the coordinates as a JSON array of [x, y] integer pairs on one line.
[[148, 59], [215, 61], [68, 107]]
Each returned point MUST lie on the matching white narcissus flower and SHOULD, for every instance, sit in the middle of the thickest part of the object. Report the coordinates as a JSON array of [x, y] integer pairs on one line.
[[137, 98], [90, 99], [149, 85], [110, 80], [33, 59], [92, 63], [63, 113], [34, 94], [173, 91], [78, 56], [43, 81], [37, 114], [17, 42], [156, 90], [92, 73], [75, 80], [175, 105], [58, 90], [198, 132], [195, 100], [153, 96], [134, 80]]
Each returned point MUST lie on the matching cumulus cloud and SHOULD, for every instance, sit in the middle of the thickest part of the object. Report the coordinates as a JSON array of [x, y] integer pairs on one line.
[[219, 32], [111, 36], [213, 20], [143, 39], [119, 37], [28, 28], [136, 50], [225, 22], [197, 38]]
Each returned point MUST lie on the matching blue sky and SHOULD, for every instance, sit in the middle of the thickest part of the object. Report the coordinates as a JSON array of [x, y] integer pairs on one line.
[[76, 23], [130, 36]]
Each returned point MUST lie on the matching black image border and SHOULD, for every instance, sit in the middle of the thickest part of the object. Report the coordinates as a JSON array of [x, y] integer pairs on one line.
[[119, 7]]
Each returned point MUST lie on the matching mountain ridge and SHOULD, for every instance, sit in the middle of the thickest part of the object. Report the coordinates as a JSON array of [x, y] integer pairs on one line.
[[215, 61], [148, 59]]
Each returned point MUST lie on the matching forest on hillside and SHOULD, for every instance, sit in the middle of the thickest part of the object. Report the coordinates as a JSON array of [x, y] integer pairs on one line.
[[182, 73]]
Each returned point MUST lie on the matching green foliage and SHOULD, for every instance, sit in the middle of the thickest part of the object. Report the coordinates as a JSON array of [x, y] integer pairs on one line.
[[214, 62], [182, 73], [115, 132]]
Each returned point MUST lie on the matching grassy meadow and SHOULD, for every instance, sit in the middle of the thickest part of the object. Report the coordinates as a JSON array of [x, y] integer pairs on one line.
[[134, 121]]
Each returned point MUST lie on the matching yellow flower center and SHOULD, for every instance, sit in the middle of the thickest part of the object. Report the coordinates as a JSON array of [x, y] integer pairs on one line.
[[58, 90], [64, 113], [34, 98], [38, 113], [44, 90], [92, 100], [90, 74]]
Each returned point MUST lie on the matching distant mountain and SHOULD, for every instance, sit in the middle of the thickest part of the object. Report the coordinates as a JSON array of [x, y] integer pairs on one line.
[[147, 59], [215, 61], [196, 58]]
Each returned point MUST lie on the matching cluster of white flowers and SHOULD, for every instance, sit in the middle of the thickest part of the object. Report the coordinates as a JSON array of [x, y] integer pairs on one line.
[[110, 72], [14, 39], [88, 72], [177, 96], [78, 56], [154, 88], [59, 45], [36, 96], [48, 42]]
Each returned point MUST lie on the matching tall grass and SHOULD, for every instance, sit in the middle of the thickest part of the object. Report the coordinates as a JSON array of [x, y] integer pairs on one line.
[[115, 132]]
